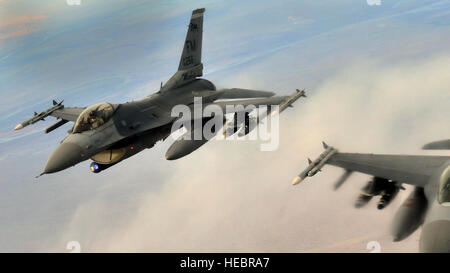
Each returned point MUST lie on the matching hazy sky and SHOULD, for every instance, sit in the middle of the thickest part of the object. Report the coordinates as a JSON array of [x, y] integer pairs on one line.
[[376, 78]]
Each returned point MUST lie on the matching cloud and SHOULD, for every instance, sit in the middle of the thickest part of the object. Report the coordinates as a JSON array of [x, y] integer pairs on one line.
[[19, 26], [20, 20], [299, 20], [229, 196]]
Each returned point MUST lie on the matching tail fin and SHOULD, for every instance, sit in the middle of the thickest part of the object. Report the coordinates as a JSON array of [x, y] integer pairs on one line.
[[190, 65], [192, 51]]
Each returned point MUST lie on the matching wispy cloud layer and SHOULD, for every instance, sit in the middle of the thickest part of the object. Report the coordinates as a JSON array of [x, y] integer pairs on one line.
[[231, 197], [18, 26]]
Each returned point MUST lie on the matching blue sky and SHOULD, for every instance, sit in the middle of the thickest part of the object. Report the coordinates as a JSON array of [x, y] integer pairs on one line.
[[121, 50]]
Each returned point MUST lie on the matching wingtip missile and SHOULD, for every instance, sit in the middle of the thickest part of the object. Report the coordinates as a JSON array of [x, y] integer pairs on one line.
[[296, 180], [41, 116], [316, 165], [18, 127], [322, 160], [57, 103], [289, 101], [325, 146], [301, 177]]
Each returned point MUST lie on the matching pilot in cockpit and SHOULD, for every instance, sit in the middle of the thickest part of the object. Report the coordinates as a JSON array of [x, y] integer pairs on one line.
[[94, 117]]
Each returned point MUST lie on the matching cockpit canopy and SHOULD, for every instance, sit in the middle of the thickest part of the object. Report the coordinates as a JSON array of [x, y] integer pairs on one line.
[[444, 188], [94, 116]]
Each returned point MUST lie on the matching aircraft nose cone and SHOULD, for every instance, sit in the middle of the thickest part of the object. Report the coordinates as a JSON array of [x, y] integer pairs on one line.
[[435, 237], [65, 156]]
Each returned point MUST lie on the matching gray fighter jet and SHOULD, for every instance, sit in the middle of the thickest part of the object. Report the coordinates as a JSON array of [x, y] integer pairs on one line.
[[428, 205], [108, 133]]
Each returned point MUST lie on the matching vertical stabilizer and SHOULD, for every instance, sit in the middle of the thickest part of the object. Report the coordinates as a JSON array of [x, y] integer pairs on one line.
[[192, 50], [190, 66]]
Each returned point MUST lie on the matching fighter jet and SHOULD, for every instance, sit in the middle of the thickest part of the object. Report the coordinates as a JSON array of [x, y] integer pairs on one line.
[[428, 205], [108, 133]]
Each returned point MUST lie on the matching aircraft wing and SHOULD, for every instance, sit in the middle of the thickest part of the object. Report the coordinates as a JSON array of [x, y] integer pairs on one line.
[[68, 113], [65, 114], [238, 93], [246, 102], [282, 101], [410, 169]]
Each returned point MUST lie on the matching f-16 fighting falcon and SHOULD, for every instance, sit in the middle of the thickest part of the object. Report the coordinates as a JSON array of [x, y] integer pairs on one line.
[[428, 205], [108, 133]]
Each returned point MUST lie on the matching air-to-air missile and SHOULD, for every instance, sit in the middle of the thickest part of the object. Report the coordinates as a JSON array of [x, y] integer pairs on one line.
[[245, 127], [316, 165], [289, 101], [37, 117]]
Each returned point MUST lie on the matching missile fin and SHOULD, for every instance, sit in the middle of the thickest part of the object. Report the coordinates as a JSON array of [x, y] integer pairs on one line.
[[302, 92]]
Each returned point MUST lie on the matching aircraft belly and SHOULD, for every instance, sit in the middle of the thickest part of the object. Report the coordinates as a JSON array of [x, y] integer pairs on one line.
[[109, 156]]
